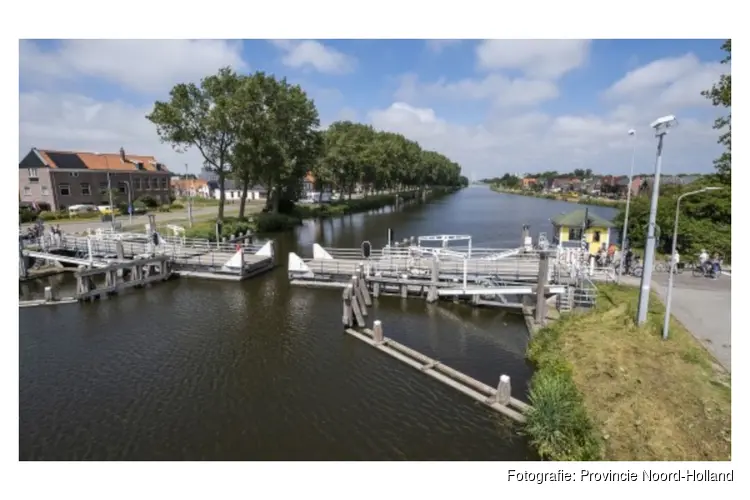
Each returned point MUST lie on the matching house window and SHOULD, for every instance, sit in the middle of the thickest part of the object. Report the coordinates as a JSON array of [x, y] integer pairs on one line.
[[65, 189], [597, 236], [164, 183], [85, 189], [26, 191], [33, 173], [147, 183], [74, 174], [575, 234], [122, 187], [102, 188], [137, 183], [45, 191]]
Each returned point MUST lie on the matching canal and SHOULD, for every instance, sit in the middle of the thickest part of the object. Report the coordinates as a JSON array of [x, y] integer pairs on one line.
[[258, 370]]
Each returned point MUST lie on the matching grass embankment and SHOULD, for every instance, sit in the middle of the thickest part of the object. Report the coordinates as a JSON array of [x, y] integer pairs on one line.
[[581, 200], [604, 389], [270, 223]]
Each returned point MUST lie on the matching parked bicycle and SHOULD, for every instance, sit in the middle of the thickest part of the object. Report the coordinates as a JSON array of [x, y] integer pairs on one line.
[[705, 270]]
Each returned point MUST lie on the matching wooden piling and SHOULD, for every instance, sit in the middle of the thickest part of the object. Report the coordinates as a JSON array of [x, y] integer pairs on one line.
[[347, 319], [377, 331], [432, 295], [356, 309], [502, 396], [358, 295], [404, 291], [541, 285], [364, 292]]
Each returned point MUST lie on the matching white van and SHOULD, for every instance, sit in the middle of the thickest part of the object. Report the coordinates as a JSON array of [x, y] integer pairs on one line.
[[81, 209]]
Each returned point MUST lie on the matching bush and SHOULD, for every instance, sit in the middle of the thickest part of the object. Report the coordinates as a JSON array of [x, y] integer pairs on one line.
[[270, 223], [207, 230], [163, 208], [148, 201], [26, 216], [557, 424], [176, 205]]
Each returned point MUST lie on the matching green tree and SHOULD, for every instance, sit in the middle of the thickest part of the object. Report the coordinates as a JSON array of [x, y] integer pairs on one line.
[[204, 116], [720, 94]]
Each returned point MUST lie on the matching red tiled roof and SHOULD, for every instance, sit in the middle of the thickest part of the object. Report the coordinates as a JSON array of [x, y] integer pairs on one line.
[[105, 161]]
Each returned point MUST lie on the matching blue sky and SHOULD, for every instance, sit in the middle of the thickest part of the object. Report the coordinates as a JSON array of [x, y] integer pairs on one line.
[[494, 106]]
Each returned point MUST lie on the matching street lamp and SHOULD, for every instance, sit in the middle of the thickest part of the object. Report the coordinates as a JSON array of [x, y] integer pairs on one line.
[[109, 191], [130, 202], [631, 133], [665, 330], [661, 126]]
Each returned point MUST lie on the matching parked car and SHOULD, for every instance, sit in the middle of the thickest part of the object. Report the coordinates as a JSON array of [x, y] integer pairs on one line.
[[81, 209]]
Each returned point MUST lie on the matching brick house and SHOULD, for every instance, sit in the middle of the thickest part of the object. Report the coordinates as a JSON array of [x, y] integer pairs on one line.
[[60, 179], [528, 182]]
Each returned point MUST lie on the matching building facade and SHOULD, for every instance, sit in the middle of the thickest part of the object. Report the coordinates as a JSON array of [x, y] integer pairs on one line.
[[56, 180]]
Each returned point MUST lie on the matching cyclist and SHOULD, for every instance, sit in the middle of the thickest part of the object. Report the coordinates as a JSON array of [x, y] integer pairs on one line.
[[628, 260], [716, 266], [703, 260], [676, 260]]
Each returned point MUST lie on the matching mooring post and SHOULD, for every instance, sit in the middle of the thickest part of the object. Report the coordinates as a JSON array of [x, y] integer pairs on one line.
[[404, 291], [356, 306], [432, 296], [377, 332], [356, 285], [502, 395], [363, 286], [376, 289], [541, 286], [346, 298], [49, 294]]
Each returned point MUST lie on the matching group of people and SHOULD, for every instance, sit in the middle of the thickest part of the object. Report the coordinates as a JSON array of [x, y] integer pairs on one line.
[[710, 265]]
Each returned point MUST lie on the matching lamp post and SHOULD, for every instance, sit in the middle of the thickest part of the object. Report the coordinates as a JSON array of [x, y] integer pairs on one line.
[[661, 126], [130, 202], [631, 133], [665, 329], [109, 191]]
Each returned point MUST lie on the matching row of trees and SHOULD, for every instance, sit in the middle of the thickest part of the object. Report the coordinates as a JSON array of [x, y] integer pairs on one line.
[[257, 129]]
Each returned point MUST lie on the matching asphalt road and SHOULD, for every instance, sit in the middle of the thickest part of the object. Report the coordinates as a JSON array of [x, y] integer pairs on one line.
[[704, 307]]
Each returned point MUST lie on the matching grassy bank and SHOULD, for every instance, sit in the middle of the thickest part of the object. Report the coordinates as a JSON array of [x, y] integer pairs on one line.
[[604, 389], [271, 223], [581, 200]]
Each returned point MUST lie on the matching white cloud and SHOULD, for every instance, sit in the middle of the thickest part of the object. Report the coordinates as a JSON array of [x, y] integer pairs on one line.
[[535, 58], [315, 55], [148, 66], [535, 141], [438, 46], [671, 82], [500, 90], [79, 123]]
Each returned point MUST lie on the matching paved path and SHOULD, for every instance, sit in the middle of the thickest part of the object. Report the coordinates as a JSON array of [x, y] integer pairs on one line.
[[161, 217], [703, 306]]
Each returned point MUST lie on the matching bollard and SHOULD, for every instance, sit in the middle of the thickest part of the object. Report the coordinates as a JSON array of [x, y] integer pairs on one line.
[[377, 331], [502, 396]]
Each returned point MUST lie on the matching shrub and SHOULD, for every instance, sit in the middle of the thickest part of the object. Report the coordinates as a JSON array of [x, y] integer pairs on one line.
[[148, 201], [270, 223], [207, 229], [26, 216], [163, 208], [176, 205]]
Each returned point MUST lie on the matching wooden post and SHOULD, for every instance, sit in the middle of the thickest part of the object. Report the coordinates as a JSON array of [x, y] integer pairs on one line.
[[432, 295], [502, 395], [377, 332], [364, 292], [356, 308], [404, 291], [346, 298], [541, 286], [376, 289], [49, 294], [358, 294]]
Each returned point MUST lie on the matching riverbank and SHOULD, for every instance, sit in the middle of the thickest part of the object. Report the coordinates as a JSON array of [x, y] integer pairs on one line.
[[274, 223], [580, 200], [606, 390]]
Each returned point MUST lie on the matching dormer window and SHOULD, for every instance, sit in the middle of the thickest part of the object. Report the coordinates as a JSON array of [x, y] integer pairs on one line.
[[139, 165]]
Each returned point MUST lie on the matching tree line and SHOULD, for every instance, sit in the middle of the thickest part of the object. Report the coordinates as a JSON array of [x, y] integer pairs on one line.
[[258, 129]]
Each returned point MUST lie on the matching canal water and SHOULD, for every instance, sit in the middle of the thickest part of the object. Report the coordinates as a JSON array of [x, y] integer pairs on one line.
[[258, 370]]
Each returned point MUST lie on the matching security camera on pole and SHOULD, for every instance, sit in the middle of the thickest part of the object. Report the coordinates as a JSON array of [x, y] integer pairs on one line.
[[660, 126]]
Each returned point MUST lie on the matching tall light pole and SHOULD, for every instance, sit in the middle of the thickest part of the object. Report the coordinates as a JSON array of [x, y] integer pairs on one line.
[[631, 133], [130, 202], [661, 126], [665, 329]]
